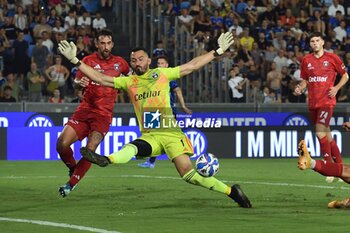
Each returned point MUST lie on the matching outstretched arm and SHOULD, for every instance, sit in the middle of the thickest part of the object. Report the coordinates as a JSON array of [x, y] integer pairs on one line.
[[69, 50], [225, 41]]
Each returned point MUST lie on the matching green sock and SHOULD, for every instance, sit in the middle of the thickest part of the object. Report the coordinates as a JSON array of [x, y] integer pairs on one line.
[[124, 155], [211, 183]]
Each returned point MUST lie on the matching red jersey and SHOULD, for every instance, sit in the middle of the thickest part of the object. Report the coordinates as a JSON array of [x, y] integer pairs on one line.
[[320, 74], [97, 98]]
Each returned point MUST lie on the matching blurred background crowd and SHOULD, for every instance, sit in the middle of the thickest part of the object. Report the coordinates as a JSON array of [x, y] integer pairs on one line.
[[271, 38]]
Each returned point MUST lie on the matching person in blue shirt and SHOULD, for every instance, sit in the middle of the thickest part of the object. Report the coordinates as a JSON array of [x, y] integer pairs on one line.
[[175, 91]]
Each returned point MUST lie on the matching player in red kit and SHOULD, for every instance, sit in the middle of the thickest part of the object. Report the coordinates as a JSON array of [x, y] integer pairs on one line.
[[93, 116], [318, 71]]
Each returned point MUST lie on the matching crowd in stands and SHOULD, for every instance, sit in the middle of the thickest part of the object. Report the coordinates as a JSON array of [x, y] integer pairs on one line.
[[271, 38], [30, 30]]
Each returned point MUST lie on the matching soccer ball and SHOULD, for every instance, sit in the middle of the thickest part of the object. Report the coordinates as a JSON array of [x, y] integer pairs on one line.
[[207, 165]]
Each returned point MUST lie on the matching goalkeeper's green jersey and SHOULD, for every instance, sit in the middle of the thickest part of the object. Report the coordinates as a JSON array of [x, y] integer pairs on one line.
[[150, 95]]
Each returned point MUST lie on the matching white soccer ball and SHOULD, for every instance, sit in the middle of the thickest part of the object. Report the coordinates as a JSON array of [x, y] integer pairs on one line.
[[207, 165]]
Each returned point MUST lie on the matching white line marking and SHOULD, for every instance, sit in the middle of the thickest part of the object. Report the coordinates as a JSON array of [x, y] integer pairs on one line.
[[177, 178], [54, 224]]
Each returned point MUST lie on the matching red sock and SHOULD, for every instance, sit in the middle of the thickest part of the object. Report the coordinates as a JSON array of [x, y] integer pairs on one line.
[[328, 168], [335, 152], [325, 149], [80, 170], [67, 157]]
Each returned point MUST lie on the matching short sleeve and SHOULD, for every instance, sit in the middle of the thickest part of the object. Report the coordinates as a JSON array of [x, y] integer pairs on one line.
[[121, 82], [171, 73]]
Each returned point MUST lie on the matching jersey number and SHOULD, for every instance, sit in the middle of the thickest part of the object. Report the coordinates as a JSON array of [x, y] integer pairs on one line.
[[323, 116]]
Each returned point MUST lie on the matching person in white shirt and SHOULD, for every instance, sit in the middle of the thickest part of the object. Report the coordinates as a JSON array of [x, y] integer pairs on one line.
[[236, 83], [58, 27], [84, 20], [70, 20], [336, 7], [47, 41], [340, 31], [99, 23]]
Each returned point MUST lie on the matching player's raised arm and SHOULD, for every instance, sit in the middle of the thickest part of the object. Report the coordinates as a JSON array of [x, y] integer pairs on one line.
[[225, 41], [69, 50]]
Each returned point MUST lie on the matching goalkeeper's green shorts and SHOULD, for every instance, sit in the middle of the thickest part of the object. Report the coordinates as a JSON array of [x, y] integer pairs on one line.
[[171, 143]]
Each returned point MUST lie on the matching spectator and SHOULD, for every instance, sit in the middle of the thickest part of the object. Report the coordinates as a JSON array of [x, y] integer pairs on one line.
[[47, 41], [57, 75], [58, 27], [21, 58], [246, 39], [41, 55], [186, 21], [288, 20], [84, 20], [268, 34], [51, 19], [335, 7], [20, 19], [42, 26], [12, 82], [340, 32], [285, 84], [70, 20], [35, 82], [202, 23], [278, 42], [10, 29], [159, 50], [82, 48], [56, 97], [268, 14], [99, 23], [79, 9], [236, 83], [7, 95], [280, 9], [251, 13], [335, 21], [269, 96], [280, 60], [62, 9], [318, 22], [235, 26], [302, 19]]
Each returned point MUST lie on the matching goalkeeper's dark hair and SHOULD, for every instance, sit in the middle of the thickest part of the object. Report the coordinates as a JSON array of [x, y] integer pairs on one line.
[[104, 32], [136, 49]]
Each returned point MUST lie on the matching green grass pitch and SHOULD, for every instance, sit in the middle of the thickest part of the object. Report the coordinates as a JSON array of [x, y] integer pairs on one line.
[[129, 199]]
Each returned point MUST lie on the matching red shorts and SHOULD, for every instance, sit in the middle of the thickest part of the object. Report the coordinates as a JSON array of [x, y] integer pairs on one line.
[[321, 115], [84, 122]]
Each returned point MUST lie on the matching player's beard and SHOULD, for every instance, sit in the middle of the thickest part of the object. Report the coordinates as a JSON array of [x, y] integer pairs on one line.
[[105, 53], [139, 70]]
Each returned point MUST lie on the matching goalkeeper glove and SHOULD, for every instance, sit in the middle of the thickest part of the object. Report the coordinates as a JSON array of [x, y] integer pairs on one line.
[[69, 50], [225, 41]]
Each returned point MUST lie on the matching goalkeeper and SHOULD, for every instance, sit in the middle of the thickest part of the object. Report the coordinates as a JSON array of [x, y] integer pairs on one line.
[[149, 91]]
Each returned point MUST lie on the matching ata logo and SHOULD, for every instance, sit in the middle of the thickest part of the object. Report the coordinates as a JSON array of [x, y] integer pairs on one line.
[[296, 120], [39, 120]]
